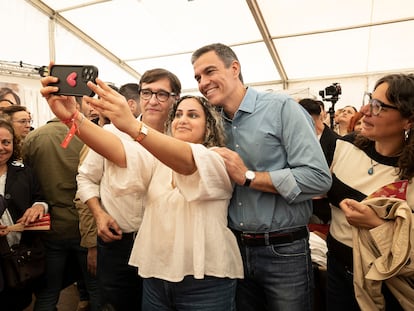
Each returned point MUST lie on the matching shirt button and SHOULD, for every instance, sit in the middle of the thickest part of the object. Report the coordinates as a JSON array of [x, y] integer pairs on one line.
[[241, 224]]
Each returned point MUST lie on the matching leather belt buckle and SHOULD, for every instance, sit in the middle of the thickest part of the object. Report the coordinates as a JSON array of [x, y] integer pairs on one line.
[[244, 236], [265, 239]]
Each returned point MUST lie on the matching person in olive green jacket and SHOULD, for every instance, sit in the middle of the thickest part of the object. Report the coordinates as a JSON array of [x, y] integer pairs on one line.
[[56, 168]]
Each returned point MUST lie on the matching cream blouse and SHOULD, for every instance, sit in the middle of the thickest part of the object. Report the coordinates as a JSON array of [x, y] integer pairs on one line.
[[184, 230]]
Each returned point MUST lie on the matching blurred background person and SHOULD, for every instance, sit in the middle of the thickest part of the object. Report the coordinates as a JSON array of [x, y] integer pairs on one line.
[[327, 138], [89, 112], [20, 118], [335, 119], [8, 97], [355, 125], [131, 93], [56, 169], [343, 120]]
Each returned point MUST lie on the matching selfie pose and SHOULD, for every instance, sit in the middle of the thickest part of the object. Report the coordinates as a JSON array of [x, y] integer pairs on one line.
[[187, 192]]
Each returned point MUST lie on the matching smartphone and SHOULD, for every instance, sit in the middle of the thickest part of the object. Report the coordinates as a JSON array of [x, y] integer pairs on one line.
[[73, 79]]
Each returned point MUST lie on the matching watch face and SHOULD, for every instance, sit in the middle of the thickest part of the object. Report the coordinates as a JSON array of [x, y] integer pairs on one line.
[[250, 175]]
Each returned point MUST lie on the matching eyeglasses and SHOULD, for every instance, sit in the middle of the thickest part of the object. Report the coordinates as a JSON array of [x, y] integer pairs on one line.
[[375, 105], [24, 121], [162, 96]]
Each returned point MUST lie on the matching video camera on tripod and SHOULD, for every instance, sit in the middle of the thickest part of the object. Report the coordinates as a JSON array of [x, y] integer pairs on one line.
[[333, 91]]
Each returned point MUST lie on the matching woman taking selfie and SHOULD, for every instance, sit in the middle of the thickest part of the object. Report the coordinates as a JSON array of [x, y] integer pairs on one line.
[[187, 256]]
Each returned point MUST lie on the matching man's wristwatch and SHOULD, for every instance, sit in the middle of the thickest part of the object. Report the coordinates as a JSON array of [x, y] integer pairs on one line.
[[250, 175]]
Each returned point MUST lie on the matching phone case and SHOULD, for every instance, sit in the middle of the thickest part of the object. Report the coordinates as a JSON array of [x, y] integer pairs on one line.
[[73, 79]]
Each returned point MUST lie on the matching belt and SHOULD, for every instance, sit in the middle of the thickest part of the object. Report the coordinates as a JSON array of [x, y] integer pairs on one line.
[[270, 238]]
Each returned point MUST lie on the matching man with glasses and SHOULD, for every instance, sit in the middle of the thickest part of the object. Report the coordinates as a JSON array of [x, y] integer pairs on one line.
[[162, 96], [118, 218]]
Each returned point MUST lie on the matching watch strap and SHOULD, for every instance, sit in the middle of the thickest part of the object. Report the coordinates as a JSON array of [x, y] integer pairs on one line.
[[143, 132], [247, 182]]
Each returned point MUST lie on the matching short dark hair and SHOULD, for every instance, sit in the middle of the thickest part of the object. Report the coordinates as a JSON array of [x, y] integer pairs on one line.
[[11, 110], [224, 52], [130, 91], [311, 106], [157, 74]]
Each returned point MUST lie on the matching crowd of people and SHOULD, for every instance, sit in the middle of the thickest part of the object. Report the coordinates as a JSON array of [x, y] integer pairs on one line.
[[160, 201]]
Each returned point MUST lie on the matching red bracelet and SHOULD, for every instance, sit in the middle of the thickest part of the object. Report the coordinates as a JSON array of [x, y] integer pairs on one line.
[[72, 129], [71, 119]]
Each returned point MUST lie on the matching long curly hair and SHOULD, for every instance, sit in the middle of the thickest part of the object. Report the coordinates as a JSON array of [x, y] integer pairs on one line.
[[400, 92], [214, 136]]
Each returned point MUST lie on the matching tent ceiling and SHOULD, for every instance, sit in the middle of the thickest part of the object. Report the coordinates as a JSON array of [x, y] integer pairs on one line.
[[277, 41]]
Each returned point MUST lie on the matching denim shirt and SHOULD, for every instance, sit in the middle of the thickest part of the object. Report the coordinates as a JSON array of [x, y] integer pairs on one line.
[[273, 133]]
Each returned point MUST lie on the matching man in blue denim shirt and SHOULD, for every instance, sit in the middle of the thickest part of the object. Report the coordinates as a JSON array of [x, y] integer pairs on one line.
[[278, 166]]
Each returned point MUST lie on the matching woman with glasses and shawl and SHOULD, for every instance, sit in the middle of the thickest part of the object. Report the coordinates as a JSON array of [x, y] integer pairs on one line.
[[21, 201], [370, 259]]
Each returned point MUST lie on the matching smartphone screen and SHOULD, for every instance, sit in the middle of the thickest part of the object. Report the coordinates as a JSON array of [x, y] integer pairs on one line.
[[73, 79]]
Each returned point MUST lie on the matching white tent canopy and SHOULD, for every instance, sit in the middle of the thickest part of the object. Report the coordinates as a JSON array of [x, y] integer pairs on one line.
[[298, 46]]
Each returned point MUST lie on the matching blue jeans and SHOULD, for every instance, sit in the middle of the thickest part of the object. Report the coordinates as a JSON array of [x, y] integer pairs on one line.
[[59, 254], [276, 277], [208, 294], [119, 284]]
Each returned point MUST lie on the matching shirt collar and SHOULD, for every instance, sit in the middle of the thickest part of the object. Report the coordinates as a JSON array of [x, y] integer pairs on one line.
[[249, 100], [247, 104]]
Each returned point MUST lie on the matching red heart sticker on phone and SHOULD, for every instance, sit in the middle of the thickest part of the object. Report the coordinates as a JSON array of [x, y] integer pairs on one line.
[[71, 79]]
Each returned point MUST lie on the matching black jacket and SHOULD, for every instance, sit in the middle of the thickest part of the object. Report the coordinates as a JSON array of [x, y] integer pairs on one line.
[[328, 143], [22, 189]]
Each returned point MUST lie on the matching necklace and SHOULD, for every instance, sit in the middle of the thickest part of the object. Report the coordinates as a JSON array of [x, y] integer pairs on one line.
[[371, 169]]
